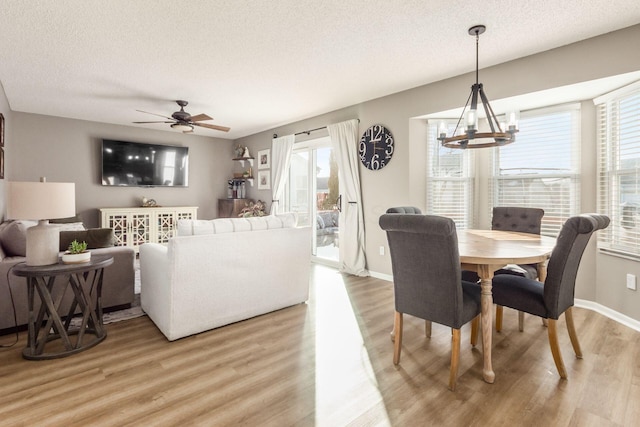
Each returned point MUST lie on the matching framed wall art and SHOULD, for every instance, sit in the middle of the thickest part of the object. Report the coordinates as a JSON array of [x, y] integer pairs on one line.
[[1, 146], [264, 159], [264, 180], [1, 130]]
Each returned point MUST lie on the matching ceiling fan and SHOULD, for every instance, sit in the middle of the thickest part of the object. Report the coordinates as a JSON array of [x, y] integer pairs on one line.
[[181, 120]]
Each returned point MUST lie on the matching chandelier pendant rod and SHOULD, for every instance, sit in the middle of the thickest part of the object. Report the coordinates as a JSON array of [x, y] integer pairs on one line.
[[477, 54], [455, 130], [491, 116]]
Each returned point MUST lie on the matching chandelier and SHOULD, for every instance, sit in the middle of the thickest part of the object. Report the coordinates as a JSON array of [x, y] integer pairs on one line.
[[470, 137]]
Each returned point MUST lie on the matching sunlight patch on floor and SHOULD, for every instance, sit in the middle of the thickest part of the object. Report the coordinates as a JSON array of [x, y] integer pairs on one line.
[[345, 382]]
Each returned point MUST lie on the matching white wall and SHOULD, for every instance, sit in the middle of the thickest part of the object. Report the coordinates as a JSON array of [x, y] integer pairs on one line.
[[67, 150], [402, 182]]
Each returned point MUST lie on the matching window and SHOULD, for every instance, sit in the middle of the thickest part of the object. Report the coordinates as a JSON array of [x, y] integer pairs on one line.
[[541, 168], [619, 170], [449, 179]]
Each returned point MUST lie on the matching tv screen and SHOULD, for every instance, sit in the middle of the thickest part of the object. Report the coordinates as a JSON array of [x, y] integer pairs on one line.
[[141, 165]]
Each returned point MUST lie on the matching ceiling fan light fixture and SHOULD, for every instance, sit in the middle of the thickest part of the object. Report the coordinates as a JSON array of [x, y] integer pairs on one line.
[[469, 137], [185, 122], [183, 127]]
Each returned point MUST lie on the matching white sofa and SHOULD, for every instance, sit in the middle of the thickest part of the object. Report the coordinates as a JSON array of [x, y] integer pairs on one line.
[[222, 271]]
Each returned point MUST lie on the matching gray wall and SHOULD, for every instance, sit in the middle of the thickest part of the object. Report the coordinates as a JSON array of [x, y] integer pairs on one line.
[[602, 277], [8, 137], [67, 150]]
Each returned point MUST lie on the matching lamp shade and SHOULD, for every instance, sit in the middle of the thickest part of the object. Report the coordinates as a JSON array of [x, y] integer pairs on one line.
[[40, 200]]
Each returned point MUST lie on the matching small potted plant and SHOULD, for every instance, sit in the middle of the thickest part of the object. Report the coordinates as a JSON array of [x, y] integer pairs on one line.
[[76, 253], [253, 209]]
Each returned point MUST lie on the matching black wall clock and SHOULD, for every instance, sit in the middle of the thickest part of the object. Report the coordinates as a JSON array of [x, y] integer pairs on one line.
[[376, 147]]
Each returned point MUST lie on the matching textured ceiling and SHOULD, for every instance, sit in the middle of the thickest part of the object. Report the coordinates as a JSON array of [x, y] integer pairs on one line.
[[255, 65]]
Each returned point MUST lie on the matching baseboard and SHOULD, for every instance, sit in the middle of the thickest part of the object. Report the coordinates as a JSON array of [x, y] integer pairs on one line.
[[381, 276], [581, 303], [611, 314]]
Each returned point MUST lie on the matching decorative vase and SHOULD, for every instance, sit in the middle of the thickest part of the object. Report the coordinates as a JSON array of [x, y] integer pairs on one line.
[[69, 258]]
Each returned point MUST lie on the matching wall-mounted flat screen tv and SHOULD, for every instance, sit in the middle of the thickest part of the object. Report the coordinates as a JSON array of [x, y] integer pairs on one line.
[[133, 164]]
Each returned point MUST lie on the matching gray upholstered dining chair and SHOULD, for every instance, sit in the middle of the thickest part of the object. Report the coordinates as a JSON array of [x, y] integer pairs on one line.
[[522, 220], [518, 219], [555, 296], [413, 211], [426, 278]]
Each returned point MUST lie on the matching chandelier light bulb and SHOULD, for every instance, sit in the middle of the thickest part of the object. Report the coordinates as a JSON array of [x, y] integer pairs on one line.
[[472, 119]]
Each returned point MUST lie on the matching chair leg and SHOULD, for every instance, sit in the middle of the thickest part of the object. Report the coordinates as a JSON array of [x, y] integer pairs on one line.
[[555, 348], [568, 315], [521, 321], [455, 358], [397, 343], [499, 316], [475, 327], [427, 328], [499, 310]]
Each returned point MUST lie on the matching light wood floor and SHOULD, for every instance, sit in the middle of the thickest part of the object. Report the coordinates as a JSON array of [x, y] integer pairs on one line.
[[327, 363]]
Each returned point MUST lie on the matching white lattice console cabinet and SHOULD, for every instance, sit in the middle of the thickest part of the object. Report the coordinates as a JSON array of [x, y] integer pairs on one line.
[[134, 226]]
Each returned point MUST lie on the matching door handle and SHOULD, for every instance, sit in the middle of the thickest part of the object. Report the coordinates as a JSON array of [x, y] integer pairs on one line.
[[339, 203]]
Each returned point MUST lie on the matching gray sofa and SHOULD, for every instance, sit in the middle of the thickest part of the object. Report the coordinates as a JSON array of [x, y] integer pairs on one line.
[[118, 283]]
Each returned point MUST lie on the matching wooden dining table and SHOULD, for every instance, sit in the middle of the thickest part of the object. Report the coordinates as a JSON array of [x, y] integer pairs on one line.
[[485, 251]]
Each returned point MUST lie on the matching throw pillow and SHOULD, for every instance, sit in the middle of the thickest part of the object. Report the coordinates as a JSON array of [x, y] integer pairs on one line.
[[240, 224], [65, 220], [95, 238], [70, 226], [203, 227], [289, 219], [258, 223], [222, 225], [191, 227], [14, 237], [71, 223]]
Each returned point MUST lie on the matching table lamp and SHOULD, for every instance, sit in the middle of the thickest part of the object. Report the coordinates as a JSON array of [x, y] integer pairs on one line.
[[36, 201]]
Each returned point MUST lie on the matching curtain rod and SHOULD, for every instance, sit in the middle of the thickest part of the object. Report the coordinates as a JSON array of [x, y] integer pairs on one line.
[[308, 132]]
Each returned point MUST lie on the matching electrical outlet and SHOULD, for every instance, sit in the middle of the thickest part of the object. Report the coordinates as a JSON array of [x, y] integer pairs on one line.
[[382, 250], [631, 281]]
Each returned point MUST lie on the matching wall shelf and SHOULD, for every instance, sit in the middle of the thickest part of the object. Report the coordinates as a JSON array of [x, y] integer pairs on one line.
[[248, 179]]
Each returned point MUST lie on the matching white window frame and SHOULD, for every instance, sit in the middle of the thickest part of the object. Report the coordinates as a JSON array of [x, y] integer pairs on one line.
[[540, 151], [450, 190], [618, 139]]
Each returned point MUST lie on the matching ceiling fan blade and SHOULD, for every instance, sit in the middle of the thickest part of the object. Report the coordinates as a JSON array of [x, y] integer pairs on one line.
[[154, 122], [154, 114], [214, 127], [200, 117]]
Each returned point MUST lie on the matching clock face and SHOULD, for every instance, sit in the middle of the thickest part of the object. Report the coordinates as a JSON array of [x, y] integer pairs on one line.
[[376, 147]]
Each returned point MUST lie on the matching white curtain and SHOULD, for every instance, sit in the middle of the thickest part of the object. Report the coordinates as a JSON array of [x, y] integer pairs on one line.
[[344, 139], [281, 149]]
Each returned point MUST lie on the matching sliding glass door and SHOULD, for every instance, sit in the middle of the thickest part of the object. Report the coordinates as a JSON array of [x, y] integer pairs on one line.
[[313, 193]]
